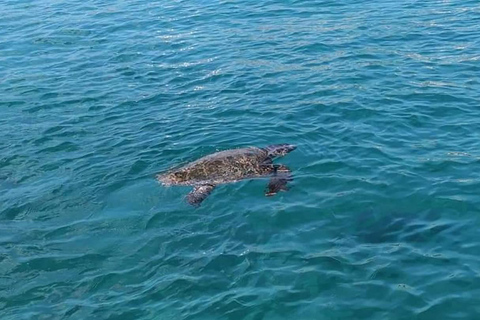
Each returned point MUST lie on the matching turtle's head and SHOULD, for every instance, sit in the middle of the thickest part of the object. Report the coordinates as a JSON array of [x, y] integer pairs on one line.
[[278, 150], [171, 178]]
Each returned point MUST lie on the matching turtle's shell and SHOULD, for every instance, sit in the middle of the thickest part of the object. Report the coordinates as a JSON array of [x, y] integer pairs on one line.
[[220, 167]]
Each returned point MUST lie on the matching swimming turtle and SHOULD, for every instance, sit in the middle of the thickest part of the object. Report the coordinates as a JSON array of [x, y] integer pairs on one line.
[[231, 166]]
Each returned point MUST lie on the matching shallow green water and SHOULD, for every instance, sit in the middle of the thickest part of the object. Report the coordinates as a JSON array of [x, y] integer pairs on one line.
[[382, 99]]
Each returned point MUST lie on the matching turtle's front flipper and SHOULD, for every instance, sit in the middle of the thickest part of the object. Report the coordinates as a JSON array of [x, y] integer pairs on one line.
[[281, 176], [198, 194]]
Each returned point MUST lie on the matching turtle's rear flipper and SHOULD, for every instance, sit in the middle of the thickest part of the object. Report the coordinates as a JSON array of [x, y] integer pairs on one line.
[[198, 194], [281, 176]]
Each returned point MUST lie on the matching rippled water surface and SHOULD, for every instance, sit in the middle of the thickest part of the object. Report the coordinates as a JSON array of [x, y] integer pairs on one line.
[[382, 99]]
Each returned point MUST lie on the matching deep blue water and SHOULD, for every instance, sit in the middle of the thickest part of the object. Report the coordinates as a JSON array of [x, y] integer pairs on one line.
[[382, 99]]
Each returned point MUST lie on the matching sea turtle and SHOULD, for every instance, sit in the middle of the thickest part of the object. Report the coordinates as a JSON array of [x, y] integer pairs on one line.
[[231, 166]]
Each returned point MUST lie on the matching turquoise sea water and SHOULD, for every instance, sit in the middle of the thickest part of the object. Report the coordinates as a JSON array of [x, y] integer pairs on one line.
[[382, 99]]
